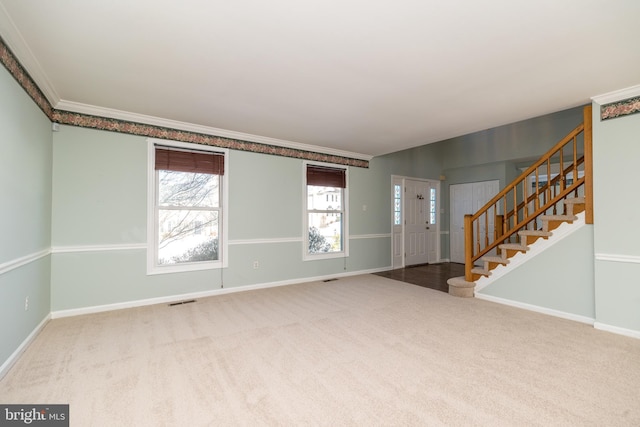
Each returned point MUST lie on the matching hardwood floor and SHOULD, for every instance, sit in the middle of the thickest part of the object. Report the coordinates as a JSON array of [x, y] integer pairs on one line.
[[433, 276]]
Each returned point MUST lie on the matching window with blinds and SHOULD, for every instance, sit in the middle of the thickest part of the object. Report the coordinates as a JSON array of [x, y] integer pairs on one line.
[[187, 208], [325, 211]]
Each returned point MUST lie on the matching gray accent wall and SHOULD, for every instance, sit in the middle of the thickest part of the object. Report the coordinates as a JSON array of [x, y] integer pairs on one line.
[[25, 217]]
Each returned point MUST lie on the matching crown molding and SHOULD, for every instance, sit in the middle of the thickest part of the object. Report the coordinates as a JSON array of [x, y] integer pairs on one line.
[[92, 110], [617, 95], [20, 49]]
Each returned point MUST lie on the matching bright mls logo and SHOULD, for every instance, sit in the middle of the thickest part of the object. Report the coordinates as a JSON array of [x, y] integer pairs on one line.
[[35, 415]]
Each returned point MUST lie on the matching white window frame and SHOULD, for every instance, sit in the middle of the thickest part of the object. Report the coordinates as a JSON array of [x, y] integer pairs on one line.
[[306, 256], [152, 212]]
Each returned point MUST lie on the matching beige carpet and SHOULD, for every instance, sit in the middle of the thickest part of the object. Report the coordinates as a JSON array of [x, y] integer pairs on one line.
[[359, 351]]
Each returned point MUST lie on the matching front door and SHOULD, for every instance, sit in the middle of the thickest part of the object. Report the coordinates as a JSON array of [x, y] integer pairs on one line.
[[417, 224]]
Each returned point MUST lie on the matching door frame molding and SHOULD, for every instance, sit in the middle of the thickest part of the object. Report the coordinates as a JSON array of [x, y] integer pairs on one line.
[[403, 179]]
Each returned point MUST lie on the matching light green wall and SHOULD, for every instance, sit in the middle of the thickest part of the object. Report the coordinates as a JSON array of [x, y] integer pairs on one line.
[[25, 171], [616, 152], [371, 188], [560, 278], [87, 279], [262, 191], [99, 187]]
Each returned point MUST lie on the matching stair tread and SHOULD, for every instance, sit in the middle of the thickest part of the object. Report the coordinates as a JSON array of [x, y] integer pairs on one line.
[[576, 200], [535, 233], [496, 259], [558, 217], [514, 246]]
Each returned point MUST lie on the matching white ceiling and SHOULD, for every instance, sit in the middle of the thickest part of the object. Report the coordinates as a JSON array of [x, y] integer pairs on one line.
[[368, 77]]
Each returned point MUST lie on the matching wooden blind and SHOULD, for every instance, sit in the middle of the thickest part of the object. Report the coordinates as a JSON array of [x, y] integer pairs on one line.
[[324, 176], [189, 161]]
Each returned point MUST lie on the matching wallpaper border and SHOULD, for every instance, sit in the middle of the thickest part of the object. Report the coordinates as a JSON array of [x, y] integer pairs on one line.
[[11, 63], [620, 108]]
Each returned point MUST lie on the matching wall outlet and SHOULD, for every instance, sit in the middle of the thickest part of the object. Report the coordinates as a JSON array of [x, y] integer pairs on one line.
[[256, 264], [26, 304]]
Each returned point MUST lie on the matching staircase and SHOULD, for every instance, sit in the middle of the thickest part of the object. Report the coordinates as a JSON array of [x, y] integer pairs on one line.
[[549, 193]]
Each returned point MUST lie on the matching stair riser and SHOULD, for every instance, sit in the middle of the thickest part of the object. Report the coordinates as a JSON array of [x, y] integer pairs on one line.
[[575, 208], [553, 224], [491, 265], [461, 292], [529, 240], [510, 253]]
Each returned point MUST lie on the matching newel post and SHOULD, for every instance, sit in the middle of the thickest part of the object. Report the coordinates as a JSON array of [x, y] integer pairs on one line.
[[588, 165], [468, 248]]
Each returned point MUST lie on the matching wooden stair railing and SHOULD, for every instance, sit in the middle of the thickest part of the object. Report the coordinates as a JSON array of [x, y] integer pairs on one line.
[[535, 192]]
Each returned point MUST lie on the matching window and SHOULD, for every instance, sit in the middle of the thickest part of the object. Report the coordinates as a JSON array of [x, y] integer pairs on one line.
[[432, 206], [325, 211], [397, 204], [186, 207]]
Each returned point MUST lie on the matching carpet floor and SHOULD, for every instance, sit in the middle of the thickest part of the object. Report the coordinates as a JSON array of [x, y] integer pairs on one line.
[[362, 350]]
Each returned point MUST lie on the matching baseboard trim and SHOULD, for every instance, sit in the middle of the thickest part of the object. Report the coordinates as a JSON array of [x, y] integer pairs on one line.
[[537, 308], [6, 366], [194, 295], [617, 330]]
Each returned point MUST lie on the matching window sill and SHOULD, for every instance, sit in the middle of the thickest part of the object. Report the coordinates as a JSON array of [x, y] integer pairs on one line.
[[318, 257], [184, 268]]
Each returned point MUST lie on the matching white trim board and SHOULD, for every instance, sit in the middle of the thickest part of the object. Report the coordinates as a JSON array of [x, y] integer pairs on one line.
[[633, 259], [617, 95], [537, 309], [203, 294], [370, 236], [97, 248], [617, 330], [265, 241], [141, 246], [19, 262], [4, 369]]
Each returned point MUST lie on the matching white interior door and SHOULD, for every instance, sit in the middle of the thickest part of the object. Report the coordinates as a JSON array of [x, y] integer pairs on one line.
[[460, 204], [416, 202], [467, 199]]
